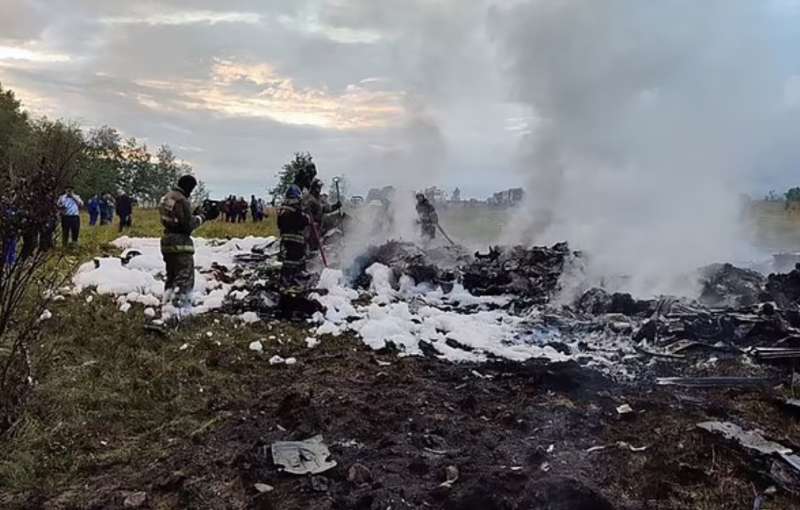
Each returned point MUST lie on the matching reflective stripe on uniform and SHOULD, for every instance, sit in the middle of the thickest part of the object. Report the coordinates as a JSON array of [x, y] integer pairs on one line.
[[185, 248], [293, 263], [293, 238]]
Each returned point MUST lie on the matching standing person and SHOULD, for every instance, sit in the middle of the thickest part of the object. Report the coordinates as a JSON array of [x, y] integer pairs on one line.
[[317, 208], [70, 206], [292, 223], [262, 209], [242, 210], [254, 208], [177, 247], [93, 206], [124, 211], [234, 209], [9, 240], [428, 218], [106, 214]]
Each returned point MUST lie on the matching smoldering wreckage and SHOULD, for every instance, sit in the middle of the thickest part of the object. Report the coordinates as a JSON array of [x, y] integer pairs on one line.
[[490, 389]]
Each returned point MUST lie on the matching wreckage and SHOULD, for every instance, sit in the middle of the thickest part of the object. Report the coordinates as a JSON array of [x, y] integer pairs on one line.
[[506, 307]]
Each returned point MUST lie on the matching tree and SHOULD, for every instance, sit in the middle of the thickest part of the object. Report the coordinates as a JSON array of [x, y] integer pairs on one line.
[[456, 195], [29, 277], [14, 129], [100, 163], [288, 172], [792, 197]]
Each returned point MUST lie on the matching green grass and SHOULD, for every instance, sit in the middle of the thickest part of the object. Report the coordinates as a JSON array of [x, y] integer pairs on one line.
[[95, 240], [109, 394]]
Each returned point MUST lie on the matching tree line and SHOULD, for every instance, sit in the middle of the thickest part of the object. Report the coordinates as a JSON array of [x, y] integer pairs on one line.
[[104, 161]]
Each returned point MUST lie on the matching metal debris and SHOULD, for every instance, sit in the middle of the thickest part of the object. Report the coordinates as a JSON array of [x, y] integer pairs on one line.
[[776, 352], [302, 457], [752, 440], [715, 382]]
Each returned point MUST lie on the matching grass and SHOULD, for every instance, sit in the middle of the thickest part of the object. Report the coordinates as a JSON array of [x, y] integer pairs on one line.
[[95, 240], [109, 394], [112, 395]]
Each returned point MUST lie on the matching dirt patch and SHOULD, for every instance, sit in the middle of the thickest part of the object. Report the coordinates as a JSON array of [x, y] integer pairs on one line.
[[519, 436]]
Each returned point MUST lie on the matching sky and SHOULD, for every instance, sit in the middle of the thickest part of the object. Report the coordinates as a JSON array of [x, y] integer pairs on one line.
[[426, 92], [373, 89]]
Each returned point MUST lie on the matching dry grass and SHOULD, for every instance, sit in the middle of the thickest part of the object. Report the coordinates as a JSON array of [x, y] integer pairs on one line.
[[112, 395]]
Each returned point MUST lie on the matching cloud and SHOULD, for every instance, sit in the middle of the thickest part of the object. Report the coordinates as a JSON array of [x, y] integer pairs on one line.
[[185, 18], [30, 55], [256, 90]]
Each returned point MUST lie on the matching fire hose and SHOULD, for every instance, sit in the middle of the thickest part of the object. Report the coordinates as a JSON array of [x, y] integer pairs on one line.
[[319, 242], [445, 234]]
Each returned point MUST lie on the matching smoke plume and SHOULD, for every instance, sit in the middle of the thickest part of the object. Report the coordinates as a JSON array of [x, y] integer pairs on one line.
[[650, 120]]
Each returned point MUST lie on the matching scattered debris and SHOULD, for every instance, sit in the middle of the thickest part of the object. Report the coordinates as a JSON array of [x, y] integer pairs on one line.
[[715, 382], [302, 457], [135, 500], [262, 488], [528, 273], [320, 484], [776, 353], [751, 440], [358, 474], [451, 475], [256, 346], [725, 285], [624, 409]]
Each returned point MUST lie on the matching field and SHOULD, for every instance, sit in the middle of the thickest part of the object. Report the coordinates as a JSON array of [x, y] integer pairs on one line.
[[184, 419]]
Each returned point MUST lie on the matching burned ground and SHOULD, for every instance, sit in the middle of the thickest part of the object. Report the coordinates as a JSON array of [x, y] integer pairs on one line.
[[126, 418], [521, 435]]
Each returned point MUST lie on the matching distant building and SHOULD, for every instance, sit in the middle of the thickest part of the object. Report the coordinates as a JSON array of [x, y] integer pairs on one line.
[[507, 198]]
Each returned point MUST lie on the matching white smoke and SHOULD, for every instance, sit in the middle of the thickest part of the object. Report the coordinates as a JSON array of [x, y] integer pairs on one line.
[[650, 119]]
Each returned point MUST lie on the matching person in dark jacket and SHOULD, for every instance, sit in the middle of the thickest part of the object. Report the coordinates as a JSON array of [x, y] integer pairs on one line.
[[106, 209], [125, 211], [254, 208], [428, 218], [242, 210], [93, 206], [177, 247], [317, 209], [292, 223], [8, 238]]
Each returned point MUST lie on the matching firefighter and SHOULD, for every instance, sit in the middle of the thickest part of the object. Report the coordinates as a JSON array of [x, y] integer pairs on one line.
[[292, 223], [305, 176], [318, 210], [428, 219], [177, 247]]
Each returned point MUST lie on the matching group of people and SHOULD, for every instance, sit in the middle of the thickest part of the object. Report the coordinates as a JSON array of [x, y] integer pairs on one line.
[[303, 218], [37, 234], [234, 210], [103, 207]]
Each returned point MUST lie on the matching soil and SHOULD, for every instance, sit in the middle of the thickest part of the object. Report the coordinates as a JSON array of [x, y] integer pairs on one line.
[[520, 436]]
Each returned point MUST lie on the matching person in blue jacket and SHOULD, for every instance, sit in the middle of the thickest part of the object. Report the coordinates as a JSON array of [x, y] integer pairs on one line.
[[9, 240], [94, 209]]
